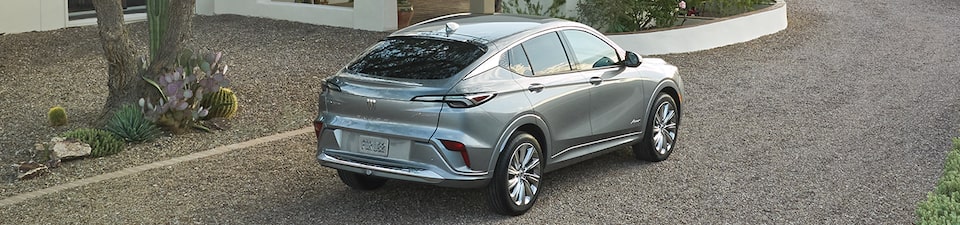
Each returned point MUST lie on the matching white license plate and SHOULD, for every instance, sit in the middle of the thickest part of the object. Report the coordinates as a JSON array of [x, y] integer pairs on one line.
[[374, 145]]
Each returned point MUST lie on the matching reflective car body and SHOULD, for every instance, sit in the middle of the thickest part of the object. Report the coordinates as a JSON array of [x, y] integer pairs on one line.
[[439, 101]]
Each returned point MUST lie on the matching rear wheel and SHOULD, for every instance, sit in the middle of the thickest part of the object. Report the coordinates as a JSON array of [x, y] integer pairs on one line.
[[660, 135], [516, 180], [359, 181]]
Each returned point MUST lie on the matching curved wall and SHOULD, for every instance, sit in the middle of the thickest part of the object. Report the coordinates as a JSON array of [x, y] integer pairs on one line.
[[721, 32]]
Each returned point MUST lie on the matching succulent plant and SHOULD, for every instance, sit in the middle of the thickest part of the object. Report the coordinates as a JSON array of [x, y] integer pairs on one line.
[[222, 103], [102, 143], [182, 91], [128, 123], [57, 116]]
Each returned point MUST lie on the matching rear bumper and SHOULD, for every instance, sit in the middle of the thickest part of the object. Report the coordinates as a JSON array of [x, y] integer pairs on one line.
[[382, 167]]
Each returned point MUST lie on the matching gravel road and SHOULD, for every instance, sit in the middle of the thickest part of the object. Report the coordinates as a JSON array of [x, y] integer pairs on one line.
[[844, 118]]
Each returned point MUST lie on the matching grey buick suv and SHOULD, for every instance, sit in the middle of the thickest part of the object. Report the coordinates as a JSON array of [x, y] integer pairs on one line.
[[493, 101]]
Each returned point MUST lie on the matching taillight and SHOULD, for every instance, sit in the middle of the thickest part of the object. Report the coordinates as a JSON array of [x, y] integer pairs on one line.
[[317, 128], [457, 147], [458, 101]]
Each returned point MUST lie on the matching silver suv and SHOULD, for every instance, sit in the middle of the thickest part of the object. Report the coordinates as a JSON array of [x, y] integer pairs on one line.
[[493, 101]]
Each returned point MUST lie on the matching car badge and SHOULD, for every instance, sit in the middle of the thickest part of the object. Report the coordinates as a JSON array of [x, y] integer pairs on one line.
[[371, 104]]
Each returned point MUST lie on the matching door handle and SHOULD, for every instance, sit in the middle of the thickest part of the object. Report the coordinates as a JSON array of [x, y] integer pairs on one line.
[[596, 80], [535, 87]]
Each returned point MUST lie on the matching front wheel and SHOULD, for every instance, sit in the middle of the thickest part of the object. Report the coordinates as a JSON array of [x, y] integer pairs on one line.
[[516, 180], [359, 181], [660, 134]]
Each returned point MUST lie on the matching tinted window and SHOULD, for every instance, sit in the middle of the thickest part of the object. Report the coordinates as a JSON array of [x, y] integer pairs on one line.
[[590, 51], [546, 54], [516, 60], [415, 58]]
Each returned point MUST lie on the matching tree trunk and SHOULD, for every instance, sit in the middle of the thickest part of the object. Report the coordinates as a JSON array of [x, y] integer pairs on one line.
[[123, 66], [173, 39]]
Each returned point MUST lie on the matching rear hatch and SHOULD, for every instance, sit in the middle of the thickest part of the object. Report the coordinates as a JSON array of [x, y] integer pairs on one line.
[[374, 94]]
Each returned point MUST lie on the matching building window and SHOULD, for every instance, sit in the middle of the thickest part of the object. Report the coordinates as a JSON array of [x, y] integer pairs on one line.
[[83, 9]]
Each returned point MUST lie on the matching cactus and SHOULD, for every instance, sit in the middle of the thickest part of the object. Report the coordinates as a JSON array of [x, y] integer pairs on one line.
[[102, 143], [157, 23], [222, 103], [57, 116], [128, 123]]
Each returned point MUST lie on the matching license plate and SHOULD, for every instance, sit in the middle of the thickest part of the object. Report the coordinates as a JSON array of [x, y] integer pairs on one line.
[[374, 145]]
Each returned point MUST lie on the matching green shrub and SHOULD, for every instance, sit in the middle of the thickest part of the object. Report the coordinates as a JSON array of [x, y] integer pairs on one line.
[[943, 205], [949, 183], [57, 116], [103, 143], [128, 123], [627, 15], [939, 209], [533, 7], [724, 8]]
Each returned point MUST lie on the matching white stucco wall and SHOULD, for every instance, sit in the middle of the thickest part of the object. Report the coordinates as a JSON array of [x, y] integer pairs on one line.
[[18, 16], [722, 32]]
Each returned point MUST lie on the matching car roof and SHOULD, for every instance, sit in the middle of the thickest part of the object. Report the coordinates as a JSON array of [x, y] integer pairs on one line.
[[481, 28]]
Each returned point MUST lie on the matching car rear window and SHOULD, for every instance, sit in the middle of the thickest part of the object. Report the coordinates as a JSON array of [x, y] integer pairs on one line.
[[416, 58]]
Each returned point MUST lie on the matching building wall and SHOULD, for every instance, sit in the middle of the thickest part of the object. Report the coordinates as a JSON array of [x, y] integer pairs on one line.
[[18, 16]]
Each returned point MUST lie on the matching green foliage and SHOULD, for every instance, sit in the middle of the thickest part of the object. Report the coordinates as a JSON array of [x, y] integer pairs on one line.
[[724, 8], [103, 143], [533, 7], [943, 205], [222, 103], [627, 15], [939, 209], [183, 89], [57, 116], [128, 123]]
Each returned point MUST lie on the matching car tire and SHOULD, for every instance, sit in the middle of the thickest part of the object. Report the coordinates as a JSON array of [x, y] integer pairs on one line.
[[359, 181], [660, 134], [517, 176]]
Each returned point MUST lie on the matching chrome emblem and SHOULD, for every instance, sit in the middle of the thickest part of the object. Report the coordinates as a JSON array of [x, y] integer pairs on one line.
[[371, 104]]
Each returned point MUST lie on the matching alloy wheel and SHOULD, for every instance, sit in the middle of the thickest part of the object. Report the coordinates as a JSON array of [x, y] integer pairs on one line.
[[523, 174]]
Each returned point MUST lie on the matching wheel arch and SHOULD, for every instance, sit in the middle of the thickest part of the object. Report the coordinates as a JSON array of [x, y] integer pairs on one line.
[[528, 123], [671, 88]]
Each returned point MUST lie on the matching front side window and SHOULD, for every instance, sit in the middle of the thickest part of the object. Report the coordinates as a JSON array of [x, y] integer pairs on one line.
[[546, 54], [416, 58], [590, 51]]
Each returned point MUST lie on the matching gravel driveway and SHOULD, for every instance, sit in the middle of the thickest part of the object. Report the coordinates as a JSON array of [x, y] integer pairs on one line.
[[844, 118]]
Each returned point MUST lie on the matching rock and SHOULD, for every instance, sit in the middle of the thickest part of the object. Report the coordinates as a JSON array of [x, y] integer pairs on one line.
[[68, 148], [28, 170]]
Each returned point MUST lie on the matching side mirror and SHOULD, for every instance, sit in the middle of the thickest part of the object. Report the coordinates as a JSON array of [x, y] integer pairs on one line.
[[632, 60]]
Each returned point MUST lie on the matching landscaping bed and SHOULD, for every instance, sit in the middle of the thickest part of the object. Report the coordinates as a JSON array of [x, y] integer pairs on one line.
[[274, 69]]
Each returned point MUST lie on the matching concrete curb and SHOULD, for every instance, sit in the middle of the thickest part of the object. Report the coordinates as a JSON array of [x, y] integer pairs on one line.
[[718, 33], [137, 169]]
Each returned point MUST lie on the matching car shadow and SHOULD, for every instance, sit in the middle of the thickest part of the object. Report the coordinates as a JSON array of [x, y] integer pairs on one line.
[[326, 200]]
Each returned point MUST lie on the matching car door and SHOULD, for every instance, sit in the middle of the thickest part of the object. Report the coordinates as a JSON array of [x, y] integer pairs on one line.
[[616, 96], [556, 94]]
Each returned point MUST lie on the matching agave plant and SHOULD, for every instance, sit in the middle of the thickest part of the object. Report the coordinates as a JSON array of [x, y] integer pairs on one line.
[[129, 123]]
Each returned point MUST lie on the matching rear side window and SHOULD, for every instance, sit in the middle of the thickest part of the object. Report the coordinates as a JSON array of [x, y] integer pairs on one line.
[[516, 60], [546, 54], [416, 58]]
